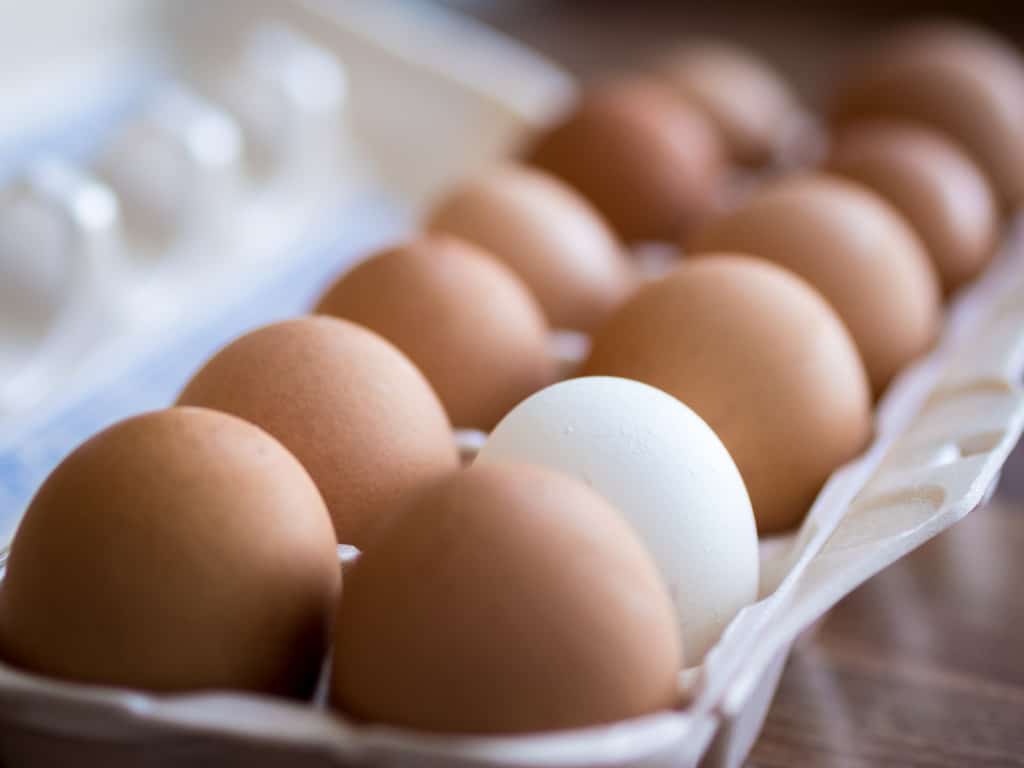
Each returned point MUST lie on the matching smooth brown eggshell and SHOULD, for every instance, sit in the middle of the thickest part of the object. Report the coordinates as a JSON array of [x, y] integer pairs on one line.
[[763, 359], [959, 79], [178, 550], [505, 599], [360, 417], [548, 234], [856, 249], [460, 315], [651, 164], [748, 102], [933, 183]]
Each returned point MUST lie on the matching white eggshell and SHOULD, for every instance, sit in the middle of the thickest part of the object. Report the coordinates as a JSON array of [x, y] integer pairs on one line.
[[667, 473]]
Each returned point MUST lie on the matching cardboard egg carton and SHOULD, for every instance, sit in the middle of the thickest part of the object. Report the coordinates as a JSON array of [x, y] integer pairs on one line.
[[433, 96]]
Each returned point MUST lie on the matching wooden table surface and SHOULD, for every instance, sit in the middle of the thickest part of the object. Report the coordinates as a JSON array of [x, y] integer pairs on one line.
[[924, 665]]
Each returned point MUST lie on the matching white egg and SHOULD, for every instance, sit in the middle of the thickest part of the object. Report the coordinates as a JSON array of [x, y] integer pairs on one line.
[[667, 473]]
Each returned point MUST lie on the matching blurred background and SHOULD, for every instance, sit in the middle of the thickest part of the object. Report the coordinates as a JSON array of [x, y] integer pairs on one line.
[[809, 42]]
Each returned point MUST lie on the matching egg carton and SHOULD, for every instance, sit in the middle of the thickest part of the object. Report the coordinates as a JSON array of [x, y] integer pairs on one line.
[[943, 431]]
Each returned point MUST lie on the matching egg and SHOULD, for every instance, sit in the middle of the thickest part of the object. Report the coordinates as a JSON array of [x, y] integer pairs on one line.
[[505, 599], [933, 183], [651, 164], [178, 550], [360, 417], [548, 234], [668, 474], [760, 356], [962, 80], [751, 106], [460, 315], [856, 249]]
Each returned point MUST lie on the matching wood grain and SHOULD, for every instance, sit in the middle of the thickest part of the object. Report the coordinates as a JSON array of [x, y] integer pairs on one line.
[[920, 667]]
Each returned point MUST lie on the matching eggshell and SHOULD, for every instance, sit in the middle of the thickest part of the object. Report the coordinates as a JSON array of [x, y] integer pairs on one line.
[[506, 599], [856, 249], [933, 183], [548, 234], [960, 79], [649, 162], [460, 315], [763, 359], [750, 105], [668, 474], [359, 416], [178, 550]]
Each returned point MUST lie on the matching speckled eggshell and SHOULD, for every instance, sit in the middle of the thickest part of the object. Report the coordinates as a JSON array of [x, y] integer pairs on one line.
[[548, 234], [360, 417], [933, 183], [652, 164], [856, 249], [460, 315], [962, 80], [664, 469], [763, 359], [505, 599], [179, 550]]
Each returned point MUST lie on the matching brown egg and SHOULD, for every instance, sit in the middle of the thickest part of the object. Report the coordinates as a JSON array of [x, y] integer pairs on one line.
[[507, 598], [650, 163], [359, 416], [548, 234], [962, 80], [750, 105], [933, 183], [853, 247], [178, 550], [460, 315], [763, 359]]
